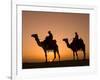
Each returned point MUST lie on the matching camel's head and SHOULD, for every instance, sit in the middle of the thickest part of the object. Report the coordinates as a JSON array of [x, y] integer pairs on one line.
[[65, 39], [34, 35]]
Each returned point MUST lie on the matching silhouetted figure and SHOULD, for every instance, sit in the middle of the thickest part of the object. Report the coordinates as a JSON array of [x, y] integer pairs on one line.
[[49, 38], [50, 35], [76, 36], [51, 47], [75, 46], [75, 39]]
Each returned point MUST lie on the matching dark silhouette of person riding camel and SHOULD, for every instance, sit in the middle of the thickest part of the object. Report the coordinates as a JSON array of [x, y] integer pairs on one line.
[[75, 39], [49, 44], [50, 35], [49, 38], [76, 45], [76, 35]]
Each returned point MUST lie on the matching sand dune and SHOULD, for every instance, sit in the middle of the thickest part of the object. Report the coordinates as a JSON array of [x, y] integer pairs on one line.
[[68, 63]]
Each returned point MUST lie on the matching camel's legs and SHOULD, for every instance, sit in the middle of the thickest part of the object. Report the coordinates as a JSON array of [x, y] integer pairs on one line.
[[77, 55], [73, 55], [83, 48], [54, 55], [46, 56], [58, 54], [84, 55]]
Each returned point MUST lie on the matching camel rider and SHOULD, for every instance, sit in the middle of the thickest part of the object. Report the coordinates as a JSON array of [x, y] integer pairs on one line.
[[49, 38], [76, 37], [50, 35]]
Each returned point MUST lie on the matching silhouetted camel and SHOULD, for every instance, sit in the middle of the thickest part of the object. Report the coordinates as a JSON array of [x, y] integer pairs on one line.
[[75, 46], [52, 46]]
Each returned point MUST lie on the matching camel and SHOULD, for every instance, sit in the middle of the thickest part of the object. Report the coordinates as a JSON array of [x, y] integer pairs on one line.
[[52, 46], [76, 46]]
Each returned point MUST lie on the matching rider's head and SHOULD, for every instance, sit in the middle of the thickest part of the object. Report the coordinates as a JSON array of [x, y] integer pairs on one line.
[[76, 33], [49, 32]]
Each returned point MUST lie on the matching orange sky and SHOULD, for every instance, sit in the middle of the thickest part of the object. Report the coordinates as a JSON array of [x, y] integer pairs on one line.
[[62, 25]]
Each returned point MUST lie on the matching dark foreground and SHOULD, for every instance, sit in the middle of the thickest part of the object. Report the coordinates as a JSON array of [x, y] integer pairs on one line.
[[70, 63]]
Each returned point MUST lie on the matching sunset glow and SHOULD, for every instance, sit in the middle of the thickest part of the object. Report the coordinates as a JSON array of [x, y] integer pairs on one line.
[[62, 25]]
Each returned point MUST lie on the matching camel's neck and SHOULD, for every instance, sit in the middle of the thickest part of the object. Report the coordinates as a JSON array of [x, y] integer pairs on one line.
[[38, 41], [67, 43]]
